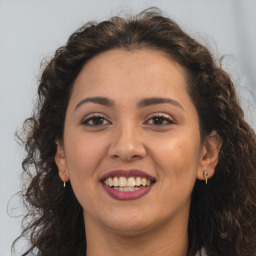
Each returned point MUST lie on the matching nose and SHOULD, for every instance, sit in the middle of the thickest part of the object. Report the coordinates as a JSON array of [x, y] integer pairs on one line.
[[127, 144]]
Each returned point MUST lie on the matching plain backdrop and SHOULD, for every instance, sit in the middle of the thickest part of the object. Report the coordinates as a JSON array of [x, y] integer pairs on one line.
[[31, 31]]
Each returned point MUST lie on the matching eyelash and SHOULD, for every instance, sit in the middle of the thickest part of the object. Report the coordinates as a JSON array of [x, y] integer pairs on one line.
[[93, 117], [96, 117], [167, 120]]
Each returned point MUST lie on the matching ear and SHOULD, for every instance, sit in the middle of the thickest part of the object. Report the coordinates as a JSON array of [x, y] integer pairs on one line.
[[60, 161], [209, 155]]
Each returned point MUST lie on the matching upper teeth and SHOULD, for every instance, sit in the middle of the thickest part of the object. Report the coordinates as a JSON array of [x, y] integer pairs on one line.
[[127, 182]]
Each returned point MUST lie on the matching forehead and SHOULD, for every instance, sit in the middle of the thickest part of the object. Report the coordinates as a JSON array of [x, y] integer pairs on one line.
[[146, 70]]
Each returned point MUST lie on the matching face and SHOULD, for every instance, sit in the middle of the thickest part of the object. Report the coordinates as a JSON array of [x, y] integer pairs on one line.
[[132, 148]]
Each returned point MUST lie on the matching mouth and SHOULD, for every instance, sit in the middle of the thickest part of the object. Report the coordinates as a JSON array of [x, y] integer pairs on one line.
[[127, 184]]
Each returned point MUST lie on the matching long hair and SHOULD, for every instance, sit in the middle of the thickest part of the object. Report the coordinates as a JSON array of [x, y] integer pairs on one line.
[[222, 216]]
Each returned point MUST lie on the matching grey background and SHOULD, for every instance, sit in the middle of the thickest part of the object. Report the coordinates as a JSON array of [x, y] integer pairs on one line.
[[32, 30]]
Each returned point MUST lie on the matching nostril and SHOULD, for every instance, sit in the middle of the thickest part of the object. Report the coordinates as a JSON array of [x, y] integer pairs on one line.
[[127, 157], [134, 157]]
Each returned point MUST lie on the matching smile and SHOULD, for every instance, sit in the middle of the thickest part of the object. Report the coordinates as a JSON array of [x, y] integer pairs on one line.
[[127, 185]]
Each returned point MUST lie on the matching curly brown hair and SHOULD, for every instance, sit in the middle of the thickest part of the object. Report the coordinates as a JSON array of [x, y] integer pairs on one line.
[[222, 214]]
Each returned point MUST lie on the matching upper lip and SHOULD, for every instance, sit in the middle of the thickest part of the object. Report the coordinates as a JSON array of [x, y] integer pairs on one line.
[[127, 174]]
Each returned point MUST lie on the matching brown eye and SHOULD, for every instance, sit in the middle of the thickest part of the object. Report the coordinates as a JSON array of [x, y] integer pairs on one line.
[[160, 120], [95, 121]]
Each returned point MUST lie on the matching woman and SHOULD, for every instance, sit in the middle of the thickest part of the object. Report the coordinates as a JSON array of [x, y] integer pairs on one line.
[[138, 145]]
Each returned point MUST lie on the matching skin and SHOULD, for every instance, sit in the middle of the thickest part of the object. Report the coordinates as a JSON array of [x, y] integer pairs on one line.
[[127, 136]]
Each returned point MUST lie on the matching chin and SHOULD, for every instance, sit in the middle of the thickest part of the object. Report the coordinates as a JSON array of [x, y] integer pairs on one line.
[[130, 222], [131, 229]]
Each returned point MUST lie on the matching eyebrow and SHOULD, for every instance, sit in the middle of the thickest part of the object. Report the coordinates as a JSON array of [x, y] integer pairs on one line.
[[143, 103], [97, 100], [158, 100]]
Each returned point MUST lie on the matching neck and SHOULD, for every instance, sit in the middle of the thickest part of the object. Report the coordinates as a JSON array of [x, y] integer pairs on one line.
[[167, 240]]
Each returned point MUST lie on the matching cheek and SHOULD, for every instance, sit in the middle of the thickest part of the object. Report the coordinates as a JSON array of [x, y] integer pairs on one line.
[[84, 154], [178, 155]]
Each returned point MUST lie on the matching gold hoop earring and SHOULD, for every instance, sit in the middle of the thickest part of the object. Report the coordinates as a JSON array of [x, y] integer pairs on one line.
[[205, 174]]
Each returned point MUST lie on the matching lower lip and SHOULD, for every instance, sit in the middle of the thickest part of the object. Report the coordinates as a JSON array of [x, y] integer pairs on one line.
[[127, 195]]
